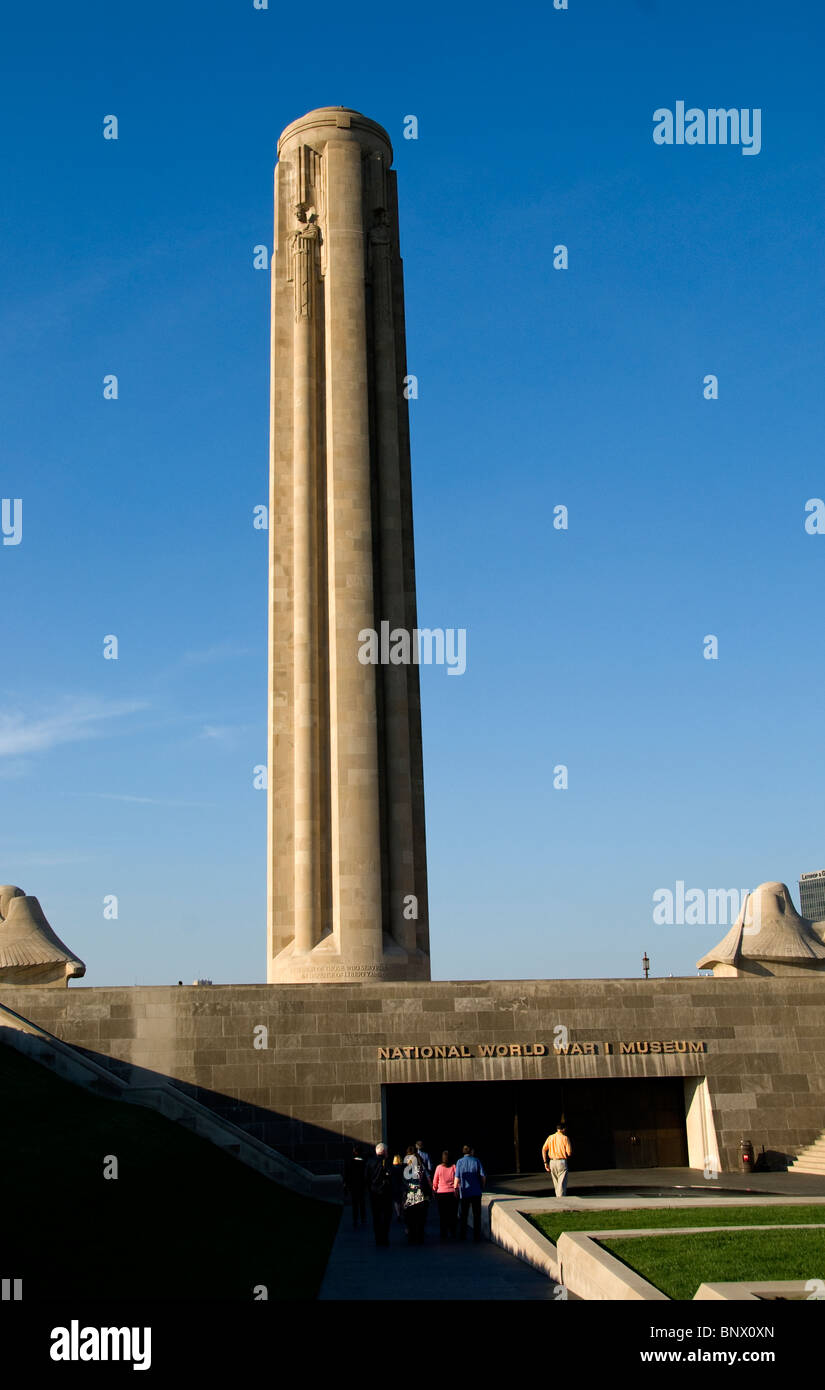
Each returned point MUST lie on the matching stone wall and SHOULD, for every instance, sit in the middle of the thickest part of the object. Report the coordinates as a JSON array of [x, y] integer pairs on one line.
[[317, 1083]]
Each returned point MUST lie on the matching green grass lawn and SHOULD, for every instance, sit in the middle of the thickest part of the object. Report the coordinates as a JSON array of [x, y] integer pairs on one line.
[[183, 1220], [679, 1264], [551, 1223]]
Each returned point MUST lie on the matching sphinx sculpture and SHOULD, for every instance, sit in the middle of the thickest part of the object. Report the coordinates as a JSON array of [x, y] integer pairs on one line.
[[30, 952], [768, 938]]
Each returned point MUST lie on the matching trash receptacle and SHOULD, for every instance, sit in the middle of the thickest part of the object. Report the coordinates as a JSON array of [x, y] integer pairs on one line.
[[746, 1155]]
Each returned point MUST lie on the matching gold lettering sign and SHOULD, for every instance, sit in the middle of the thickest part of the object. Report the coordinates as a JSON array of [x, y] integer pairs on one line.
[[462, 1052]]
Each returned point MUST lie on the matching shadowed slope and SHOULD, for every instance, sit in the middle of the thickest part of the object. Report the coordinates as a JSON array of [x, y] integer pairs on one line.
[[182, 1220]]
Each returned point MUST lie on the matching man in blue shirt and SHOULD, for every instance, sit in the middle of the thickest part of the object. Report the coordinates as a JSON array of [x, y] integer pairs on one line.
[[470, 1179], [425, 1157]]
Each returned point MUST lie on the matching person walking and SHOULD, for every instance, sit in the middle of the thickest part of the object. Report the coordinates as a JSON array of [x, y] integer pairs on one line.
[[379, 1186], [355, 1181], [555, 1152], [445, 1199], [470, 1181], [416, 1196], [425, 1158], [397, 1176]]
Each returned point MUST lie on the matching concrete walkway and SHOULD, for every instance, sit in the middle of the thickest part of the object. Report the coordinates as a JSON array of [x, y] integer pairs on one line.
[[672, 1182], [358, 1269]]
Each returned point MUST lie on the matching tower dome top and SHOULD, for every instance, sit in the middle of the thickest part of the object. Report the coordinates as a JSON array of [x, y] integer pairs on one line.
[[339, 123]]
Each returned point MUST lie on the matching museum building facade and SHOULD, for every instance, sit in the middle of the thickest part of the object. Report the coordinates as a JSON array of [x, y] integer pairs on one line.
[[647, 1073]]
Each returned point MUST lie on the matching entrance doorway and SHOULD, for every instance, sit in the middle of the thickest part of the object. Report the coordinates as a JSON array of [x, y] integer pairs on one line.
[[617, 1123]]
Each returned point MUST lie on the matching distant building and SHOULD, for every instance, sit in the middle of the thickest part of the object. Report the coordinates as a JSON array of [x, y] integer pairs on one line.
[[812, 895]]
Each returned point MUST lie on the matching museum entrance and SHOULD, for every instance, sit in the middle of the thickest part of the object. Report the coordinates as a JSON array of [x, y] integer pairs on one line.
[[619, 1123]]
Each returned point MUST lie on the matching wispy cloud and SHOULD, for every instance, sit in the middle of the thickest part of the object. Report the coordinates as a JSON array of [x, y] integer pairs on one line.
[[10, 769], [32, 858], [74, 720], [208, 656], [228, 734], [143, 800], [67, 295]]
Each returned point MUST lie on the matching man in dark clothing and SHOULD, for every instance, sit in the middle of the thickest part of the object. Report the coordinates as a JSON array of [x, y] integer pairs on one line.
[[355, 1181], [379, 1186], [470, 1179]]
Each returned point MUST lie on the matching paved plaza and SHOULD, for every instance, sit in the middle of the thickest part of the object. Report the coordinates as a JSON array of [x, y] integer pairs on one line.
[[358, 1269]]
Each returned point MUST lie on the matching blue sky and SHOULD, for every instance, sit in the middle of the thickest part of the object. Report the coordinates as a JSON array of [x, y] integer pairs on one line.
[[538, 387]]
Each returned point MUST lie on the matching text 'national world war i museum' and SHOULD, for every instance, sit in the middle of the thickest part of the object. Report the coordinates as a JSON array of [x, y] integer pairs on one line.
[[350, 1039]]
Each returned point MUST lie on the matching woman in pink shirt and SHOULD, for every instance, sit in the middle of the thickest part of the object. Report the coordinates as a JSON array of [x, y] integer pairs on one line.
[[445, 1196]]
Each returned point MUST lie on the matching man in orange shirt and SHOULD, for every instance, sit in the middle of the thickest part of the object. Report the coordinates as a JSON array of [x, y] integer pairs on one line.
[[555, 1152]]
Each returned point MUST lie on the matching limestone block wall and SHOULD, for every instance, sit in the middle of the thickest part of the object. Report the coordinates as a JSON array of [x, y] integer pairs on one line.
[[316, 1084]]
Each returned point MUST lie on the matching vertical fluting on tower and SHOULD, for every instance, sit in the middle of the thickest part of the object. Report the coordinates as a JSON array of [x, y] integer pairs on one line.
[[305, 602], [346, 865], [355, 828]]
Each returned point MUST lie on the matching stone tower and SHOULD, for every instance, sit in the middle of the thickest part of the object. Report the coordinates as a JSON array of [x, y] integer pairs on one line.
[[347, 874]]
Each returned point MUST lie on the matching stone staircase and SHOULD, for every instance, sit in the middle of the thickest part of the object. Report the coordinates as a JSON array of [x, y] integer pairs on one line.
[[136, 1086], [811, 1159]]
